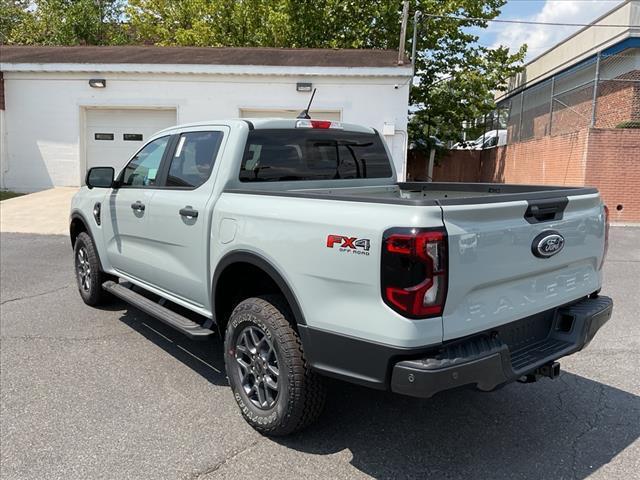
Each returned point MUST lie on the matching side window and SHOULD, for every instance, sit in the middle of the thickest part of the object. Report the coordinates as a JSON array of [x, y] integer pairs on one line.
[[491, 142], [142, 170], [193, 159]]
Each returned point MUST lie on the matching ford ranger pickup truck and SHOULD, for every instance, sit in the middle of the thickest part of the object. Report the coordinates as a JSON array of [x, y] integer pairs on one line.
[[294, 241]]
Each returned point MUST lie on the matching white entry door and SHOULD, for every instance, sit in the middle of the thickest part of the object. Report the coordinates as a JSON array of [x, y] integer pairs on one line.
[[114, 135]]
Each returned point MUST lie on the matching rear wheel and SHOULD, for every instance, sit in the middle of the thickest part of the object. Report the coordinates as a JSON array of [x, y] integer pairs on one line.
[[89, 276], [273, 384]]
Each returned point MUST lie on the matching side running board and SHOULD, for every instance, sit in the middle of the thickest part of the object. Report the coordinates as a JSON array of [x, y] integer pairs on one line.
[[190, 328]]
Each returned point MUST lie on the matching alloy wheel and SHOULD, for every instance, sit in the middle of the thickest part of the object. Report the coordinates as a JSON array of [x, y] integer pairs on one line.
[[84, 269], [258, 367]]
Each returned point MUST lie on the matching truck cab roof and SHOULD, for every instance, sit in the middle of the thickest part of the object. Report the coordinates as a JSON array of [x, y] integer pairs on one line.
[[272, 123]]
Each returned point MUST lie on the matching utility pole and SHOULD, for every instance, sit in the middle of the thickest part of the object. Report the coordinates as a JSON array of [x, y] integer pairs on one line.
[[100, 24], [416, 17], [594, 102], [403, 32]]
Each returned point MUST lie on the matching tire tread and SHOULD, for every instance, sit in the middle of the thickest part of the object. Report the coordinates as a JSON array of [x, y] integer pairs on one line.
[[97, 295], [307, 391]]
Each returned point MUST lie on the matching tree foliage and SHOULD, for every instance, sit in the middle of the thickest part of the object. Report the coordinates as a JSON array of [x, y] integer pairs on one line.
[[455, 76], [62, 22]]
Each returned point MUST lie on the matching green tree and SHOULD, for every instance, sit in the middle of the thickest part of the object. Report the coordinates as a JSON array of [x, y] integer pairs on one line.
[[455, 76], [14, 15], [62, 22]]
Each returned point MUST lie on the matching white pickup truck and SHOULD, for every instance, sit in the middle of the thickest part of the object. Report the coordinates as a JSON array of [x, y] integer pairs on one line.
[[294, 241]]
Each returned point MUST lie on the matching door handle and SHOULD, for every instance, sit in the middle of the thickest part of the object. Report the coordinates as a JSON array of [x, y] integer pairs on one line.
[[138, 206], [189, 212]]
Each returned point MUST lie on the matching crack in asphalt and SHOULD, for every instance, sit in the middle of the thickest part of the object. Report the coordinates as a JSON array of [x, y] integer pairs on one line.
[[592, 425], [26, 297], [217, 466], [67, 339], [561, 401]]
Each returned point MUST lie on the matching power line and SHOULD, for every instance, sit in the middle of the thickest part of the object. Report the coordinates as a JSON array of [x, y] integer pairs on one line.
[[526, 22]]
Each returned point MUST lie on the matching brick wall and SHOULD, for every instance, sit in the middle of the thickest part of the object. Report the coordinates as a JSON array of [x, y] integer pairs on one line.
[[618, 101], [550, 160], [608, 159], [572, 110], [613, 166]]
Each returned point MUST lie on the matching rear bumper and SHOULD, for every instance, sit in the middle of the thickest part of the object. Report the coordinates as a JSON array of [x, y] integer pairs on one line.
[[505, 354]]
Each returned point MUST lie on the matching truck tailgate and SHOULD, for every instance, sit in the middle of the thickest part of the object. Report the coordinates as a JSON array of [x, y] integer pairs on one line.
[[494, 275]]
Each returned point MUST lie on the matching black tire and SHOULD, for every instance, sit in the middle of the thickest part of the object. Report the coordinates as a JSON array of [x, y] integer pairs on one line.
[[300, 396], [90, 287]]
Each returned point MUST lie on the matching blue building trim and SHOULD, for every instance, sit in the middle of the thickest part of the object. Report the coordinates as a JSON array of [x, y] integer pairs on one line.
[[633, 42]]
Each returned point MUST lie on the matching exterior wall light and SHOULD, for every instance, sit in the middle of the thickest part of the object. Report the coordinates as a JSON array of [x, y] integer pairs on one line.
[[303, 87], [97, 83]]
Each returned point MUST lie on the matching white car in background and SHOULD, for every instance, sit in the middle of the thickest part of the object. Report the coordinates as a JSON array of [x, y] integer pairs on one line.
[[492, 138]]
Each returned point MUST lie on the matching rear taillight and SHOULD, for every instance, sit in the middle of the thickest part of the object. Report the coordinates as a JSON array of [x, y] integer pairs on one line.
[[414, 271], [606, 235]]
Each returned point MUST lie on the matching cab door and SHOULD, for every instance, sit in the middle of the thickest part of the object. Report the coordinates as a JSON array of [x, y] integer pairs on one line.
[[180, 218], [125, 225]]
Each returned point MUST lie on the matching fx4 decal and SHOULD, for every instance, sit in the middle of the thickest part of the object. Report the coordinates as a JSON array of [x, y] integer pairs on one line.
[[353, 245]]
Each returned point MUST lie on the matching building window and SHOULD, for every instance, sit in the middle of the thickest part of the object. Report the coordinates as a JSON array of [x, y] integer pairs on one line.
[[132, 137], [103, 136]]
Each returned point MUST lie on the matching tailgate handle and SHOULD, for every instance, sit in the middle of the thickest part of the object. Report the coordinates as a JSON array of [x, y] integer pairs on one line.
[[545, 210]]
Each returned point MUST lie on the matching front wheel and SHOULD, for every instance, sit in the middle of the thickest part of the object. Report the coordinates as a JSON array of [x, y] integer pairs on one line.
[[88, 273], [273, 384]]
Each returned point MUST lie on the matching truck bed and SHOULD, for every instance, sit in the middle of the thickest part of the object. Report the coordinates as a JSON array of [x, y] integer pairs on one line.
[[495, 274], [421, 193]]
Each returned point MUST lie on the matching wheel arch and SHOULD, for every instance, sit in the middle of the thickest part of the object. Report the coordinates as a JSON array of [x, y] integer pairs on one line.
[[242, 261], [78, 224]]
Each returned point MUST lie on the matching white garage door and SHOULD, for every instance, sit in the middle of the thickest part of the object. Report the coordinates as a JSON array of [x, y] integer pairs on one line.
[[333, 115], [114, 135]]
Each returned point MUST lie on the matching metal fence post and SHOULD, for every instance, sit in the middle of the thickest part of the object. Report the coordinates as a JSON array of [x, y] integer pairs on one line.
[[484, 128], [596, 80], [521, 113], [553, 89]]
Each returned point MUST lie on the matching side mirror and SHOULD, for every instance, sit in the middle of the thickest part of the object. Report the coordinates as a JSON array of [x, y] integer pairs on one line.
[[100, 177]]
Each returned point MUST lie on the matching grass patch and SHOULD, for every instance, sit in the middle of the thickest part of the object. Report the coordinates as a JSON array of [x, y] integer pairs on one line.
[[6, 194]]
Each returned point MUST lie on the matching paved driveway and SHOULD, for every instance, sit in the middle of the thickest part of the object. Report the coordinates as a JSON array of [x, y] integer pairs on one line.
[[112, 393], [45, 212]]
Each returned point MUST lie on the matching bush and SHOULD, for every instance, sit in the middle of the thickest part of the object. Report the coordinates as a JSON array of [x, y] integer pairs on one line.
[[629, 124]]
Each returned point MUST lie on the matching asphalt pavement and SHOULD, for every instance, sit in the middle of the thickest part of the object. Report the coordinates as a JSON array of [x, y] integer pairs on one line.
[[112, 393]]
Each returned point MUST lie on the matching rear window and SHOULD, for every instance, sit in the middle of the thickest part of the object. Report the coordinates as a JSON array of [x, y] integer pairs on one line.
[[313, 154]]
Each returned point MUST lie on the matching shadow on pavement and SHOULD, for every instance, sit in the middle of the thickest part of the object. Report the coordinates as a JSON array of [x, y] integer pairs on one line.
[[204, 357], [565, 428]]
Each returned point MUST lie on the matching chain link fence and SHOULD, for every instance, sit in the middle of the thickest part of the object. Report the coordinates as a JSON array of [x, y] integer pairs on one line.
[[602, 93]]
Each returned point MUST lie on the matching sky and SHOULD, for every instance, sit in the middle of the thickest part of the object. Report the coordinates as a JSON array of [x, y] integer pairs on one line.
[[540, 38]]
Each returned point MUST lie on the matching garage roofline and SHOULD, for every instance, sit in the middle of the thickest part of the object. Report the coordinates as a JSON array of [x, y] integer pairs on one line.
[[201, 56], [259, 70]]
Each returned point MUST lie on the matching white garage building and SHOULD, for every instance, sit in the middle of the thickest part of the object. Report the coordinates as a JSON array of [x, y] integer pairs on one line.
[[64, 109]]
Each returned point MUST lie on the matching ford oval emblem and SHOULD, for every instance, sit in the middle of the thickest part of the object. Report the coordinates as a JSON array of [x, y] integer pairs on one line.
[[547, 244]]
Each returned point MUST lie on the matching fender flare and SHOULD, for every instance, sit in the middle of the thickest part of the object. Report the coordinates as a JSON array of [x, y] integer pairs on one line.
[[78, 215], [252, 258]]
